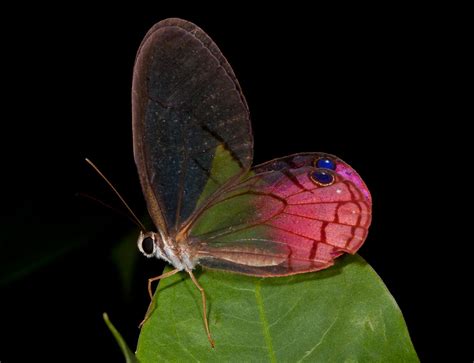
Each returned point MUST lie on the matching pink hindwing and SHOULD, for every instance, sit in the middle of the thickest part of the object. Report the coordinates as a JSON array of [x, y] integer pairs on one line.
[[292, 215]]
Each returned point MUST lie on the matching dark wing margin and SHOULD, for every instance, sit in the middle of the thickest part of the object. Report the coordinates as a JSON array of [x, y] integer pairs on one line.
[[186, 105]]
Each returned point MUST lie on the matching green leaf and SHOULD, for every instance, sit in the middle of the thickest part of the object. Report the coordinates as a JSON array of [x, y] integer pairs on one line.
[[223, 168], [127, 353], [342, 314]]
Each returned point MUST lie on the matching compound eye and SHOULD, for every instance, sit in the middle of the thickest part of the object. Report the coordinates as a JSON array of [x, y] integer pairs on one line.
[[148, 245]]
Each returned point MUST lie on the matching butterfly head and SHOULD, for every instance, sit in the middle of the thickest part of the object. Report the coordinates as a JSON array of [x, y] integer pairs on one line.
[[148, 243], [152, 244]]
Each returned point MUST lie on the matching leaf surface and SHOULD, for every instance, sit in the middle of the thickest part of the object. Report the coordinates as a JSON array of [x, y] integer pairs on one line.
[[344, 313]]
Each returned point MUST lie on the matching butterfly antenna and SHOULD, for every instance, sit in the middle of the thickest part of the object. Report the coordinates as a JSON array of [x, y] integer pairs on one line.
[[118, 194], [108, 206]]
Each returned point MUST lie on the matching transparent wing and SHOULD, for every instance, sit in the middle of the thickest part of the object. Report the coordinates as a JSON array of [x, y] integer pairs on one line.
[[189, 117]]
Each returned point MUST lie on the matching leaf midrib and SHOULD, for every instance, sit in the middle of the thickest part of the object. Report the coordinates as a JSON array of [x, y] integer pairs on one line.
[[263, 320]]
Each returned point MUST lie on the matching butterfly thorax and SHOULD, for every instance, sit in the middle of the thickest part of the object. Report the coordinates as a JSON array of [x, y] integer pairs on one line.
[[167, 248]]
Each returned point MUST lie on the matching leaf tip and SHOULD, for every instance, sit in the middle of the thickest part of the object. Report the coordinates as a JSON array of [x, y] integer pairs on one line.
[[127, 353]]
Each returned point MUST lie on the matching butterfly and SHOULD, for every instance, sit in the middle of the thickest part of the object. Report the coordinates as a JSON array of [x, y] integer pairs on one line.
[[193, 148]]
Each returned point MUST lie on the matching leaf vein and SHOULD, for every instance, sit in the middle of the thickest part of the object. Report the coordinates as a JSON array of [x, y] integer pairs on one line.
[[264, 322], [283, 316], [309, 352]]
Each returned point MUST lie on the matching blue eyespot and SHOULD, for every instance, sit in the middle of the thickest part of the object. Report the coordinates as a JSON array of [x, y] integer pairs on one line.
[[322, 177], [325, 163]]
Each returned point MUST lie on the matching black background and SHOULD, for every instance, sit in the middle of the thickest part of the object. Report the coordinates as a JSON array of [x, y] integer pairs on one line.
[[370, 86]]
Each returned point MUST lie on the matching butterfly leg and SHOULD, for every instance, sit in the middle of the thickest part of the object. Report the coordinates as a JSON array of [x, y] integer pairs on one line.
[[162, 276], [204, 308], [150, 281]]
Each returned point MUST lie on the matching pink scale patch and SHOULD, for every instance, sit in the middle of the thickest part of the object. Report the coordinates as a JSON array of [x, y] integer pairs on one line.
[[291, 239], [338, 192], [354, 191], [338, 234], [299, 225], [298, 184], [266, 207], [324, 252], [348, 213], [357, 240], [300, 246], [364, 214], [348, 173], [322, 211], [285, 187]]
